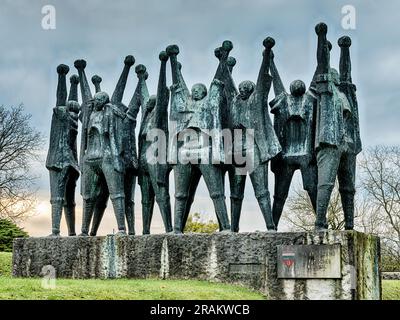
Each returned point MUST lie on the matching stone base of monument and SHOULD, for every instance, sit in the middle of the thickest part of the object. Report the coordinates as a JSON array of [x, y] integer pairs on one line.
[[295, 265]]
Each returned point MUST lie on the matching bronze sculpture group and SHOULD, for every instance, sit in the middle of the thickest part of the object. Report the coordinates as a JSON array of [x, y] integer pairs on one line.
[[315, 131]]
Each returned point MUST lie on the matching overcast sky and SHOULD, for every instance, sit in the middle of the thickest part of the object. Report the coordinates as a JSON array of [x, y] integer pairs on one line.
[[104, 32]]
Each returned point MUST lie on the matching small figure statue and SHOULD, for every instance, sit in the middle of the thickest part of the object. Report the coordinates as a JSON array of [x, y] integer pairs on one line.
[[294, 124], [200, 112], [337, 132], [153, 175], [247, 111], [62, 161]]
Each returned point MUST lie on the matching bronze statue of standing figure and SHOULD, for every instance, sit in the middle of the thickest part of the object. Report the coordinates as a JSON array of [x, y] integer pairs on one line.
[[62, 159]]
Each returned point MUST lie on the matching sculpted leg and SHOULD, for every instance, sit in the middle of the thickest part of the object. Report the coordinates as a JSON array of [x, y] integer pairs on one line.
[[118, 202], [237, 184], [283, 179], [69, 205], [162, 197], [346, 178], [115, 183], [99, 209], [58, 180], [328, 162], [183, 175], [214, 181], [147, 202], [260, 185], [129, 183], [310, 182], [56, 211], [194, 182]]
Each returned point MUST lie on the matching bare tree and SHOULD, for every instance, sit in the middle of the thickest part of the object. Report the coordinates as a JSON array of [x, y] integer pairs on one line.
[[380, 170], [377, 203], [19, 144], [299, 214]]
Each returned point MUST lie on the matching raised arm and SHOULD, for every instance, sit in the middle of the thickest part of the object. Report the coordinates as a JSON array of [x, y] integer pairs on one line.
[[182, 81], [73, 90], [313, 83], [118, 94], [62, 71], [141, 94], [345, 62], [231, 62], [263, 84], [162, 89], [173, 51], [323, 66], [162, 94], [96, 80], [223, 72], [177, 78], [80, 65], [276, 79]]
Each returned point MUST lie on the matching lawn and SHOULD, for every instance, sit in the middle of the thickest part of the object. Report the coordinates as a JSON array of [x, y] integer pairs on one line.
[[146, 289]]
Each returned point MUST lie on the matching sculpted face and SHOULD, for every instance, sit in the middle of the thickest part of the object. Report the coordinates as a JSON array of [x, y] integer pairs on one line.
[[246, 88], [297, 88], [151, 103], [199, 91], [100, 99]]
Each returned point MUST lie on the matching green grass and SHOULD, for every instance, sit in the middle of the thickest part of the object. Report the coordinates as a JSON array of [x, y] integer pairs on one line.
[[5, 263], [391, 290], [144, 289]]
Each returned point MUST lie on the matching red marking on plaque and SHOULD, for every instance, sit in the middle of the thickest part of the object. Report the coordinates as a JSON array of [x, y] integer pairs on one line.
[[288, 259]]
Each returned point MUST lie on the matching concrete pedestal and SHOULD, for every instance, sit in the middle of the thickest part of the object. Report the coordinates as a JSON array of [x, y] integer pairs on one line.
[[295, 265]]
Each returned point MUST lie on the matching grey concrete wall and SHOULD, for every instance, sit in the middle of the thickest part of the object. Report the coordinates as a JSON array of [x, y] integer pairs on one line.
[[249, 259]]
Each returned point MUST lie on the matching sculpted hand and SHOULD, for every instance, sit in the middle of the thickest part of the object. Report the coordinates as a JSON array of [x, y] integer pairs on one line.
[[141, 71], [129, 60], [172, 50], [80, 64], [344, 42], [321, 29], [62, 69]]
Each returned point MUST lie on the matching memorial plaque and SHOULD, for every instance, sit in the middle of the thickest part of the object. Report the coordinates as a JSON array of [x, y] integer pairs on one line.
[[246, 268], [309, 261]]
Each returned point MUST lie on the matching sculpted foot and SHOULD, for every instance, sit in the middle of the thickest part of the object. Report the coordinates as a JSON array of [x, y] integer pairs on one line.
[[84, 234], [54, 235]]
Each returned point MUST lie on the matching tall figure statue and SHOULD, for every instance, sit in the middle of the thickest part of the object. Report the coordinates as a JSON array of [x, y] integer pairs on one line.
[[102, 160], [129, 145], [294, 124], [62, 161], [337, 132], [153, 174], [235, 180], [198, 112], [86, 109], [249, 111]]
